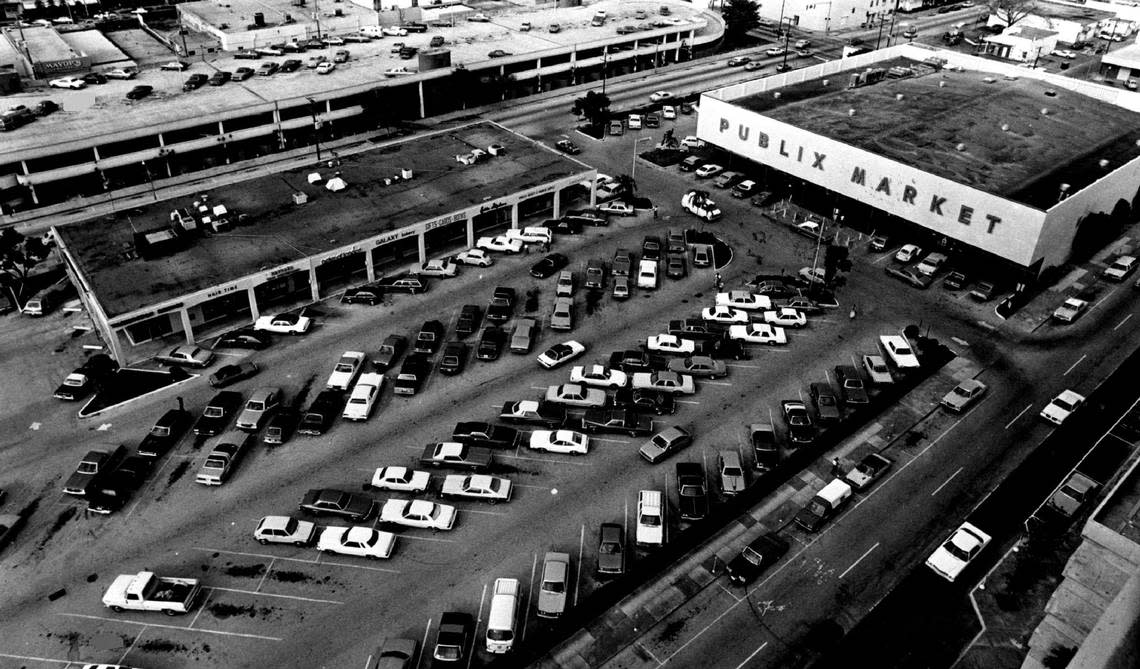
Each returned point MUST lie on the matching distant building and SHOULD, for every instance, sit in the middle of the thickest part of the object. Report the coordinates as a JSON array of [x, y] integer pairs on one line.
[[1071, 23], [826, 16], [1022, 44]]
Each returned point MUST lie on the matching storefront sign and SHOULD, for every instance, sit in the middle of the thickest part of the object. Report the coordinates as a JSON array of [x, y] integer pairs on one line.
[[222, 291], [393, 236], [282, 271], [440, 222], [344, 254]]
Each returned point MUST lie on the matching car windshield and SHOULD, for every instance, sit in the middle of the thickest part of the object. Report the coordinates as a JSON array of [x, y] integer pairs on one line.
[[609, 548], [554, 586], [255, 406], [88, 468], [651, 520], [732, 471], [752, 556], [952, 549], [1063, 404], [214, 412]]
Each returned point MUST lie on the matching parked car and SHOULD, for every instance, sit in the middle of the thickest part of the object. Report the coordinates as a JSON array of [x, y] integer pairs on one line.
[[284, 530], [331, 502], [390, 350], [139, 92], [953, 556], [611, 549], [869, 469], [244, 338], [665, 443], [616, 420], [964, 395], [561, 353], [227, 375], [826, 403]]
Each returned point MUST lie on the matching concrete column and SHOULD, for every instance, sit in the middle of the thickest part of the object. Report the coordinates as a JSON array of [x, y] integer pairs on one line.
[[369, 269], [420, 87], [421, 242], [253, 310], [556, 213], [470, 232], [594, 190], [314, 288], [187, 327], [31, 186], [515, 216]]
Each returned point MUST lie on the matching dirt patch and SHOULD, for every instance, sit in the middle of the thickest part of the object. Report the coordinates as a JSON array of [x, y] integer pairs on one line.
[[247, 571], [63, 518], [291, 576], [161, 646], [177, 472], [223, 611]]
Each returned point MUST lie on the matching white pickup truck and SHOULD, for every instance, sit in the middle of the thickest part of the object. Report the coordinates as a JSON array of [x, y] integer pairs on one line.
[[147, 591]]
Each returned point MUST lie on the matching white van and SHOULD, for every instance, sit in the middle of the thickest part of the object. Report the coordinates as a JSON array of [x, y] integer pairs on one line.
[[647, 274], [501, 619]]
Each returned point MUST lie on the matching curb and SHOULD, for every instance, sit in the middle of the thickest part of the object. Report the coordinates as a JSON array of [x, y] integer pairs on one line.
[[105, 409]]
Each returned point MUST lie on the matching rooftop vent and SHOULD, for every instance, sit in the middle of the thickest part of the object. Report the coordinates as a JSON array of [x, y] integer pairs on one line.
[[942, 84], [825, 82], [960, 147]]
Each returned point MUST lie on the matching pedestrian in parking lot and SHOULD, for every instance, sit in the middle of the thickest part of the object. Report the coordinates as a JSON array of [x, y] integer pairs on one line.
[[836, 470], [655, 212]]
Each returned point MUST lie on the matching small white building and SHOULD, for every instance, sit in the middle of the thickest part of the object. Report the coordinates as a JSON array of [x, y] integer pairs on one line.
[[1022, 44], [1122, 64], [1071, 23], [828, 15]]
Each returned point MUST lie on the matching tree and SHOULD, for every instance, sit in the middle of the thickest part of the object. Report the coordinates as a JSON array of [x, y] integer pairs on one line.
[[18, 255], [626, 186], [740, 16], [1010, 12], [594, 107]]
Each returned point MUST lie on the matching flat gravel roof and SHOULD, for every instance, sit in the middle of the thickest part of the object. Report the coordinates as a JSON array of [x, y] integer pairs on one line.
[[939, 111], [280, 232]]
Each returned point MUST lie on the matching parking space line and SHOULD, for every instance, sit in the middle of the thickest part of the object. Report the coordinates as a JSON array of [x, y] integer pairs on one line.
[[171, 627], [717, 383], [581, 549], [612, 441], [484, 512], [868, 552], [687, 402], [730, 593], [557, 462], [356, 566], [438, 541], [737, 364], [936, 490], [314, 561], [265, 575], [1074, 366], [270, 594], [536, 487], [65, 663], [1122, 322], [539, 387], [201, 608], [133, 642], [427, 631], [478, 619], [529, 591], [749, 658]]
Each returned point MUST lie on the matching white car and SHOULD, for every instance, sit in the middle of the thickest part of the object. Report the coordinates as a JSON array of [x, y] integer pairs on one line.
[[284, 530], [899, 351], [560, 354], [500, 243], [1062, 407], [786, 317], [877, 369], [346, 370], [813, 274], [599, 376], [908, 252], [669, 112], [68, 82], [477, 486], [960, 549], [1120, 268], [666, 382], [634, 121], [560, 441], [708, 171], [394, 31], [758, 333], [724, 315], [440, 268], [692, 143], [658, 96], [963, 395], [363, 397], [1070, 310], [575, 394], [742, 299], [650, 518], [617, 208], [1065, 53], [535, 234], [476, 257], [419, 513], [284, 324], [667, 343], [400, 479], [358, 541], [326, 67]]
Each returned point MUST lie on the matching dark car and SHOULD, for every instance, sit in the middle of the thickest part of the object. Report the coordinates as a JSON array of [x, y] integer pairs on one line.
[[692, 493], [370, 295], [86, 378], [454, 636], [697, 329], [429, 338], [220, 77], [468, 322], [731, 349], [230, 374], [765, 446], [390, 351], [176, 66], [651, 248], [93, 78], [591, 217], [319, 417], [475, 433], [826, 403], [139, 92], [611, 549], [45, 107], [675, 267], [414, 27], [644, 400], [454, 358], [195, 81], [281, 426], [246, 54], [244, 338], [110, 493], [243, 73], [218, 413], [545, 268], [402, 283], [617, 420], [331, 502], [167, 430], [566, 146], [566, 226], [851, 387], [633, 360], [801, 431], [412, 374], [498, 53], [757, 556], [491, 343], [291, 65], [396, 653], [502, 305], [956, 281]]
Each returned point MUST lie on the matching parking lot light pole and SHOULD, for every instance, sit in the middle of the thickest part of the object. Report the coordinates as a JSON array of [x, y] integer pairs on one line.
[[633, 160]]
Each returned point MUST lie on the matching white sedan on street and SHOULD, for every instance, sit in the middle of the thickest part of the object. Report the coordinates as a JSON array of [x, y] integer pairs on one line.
[[1062, 407], [419, 513], [400, 479], [574, 394], [658, 96], [724, 315], [667, 343], [284, 324], [358, 541], [742, 299], [560, 441], [960, 549], [758, 333], [785, 317], [599, 376], [476, 257], [500, 244]]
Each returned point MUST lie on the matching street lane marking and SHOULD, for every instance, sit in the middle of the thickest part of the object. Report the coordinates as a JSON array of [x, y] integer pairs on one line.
[[936, 490], [414, 538], [170, 627], [1122, 322], [270, 594], [314, 561], [651, 655], [1018, 416], [865, 554], [478, 619], [752, 655], [1074, 365]]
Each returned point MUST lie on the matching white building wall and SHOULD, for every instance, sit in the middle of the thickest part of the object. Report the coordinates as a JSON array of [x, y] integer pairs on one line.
[[1067, 31], [825, 15]]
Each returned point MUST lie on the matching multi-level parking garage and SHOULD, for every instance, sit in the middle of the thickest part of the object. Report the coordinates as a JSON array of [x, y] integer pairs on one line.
[[102, 142], [996, 163]]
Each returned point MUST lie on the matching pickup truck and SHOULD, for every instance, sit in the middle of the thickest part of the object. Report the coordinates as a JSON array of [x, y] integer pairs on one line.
[[412, 374], [474, 433], [631, 361], [146, 591]]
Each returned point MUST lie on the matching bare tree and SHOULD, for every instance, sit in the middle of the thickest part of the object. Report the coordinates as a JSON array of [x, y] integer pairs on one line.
[[1010, 12]]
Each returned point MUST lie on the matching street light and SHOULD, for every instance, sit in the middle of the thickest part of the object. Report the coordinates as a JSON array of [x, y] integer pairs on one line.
[[633, 159]]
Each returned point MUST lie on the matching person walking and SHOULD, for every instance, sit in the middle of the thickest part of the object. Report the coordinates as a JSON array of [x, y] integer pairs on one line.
[[836, 470], [655, 212]]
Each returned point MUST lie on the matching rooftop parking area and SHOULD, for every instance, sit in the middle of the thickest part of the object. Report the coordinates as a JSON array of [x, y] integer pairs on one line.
[[280, 231], [919, 121]]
